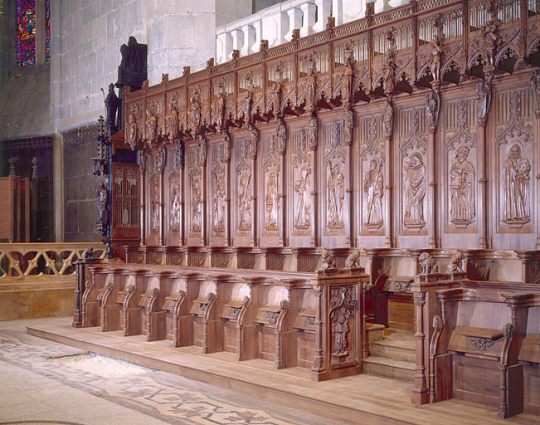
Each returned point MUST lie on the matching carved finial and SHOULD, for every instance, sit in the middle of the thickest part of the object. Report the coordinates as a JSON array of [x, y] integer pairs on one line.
[[296, 34], [186, 71], [164, 78], [235, 54], [209, 63], [264, 45], [145, 84], [370, 8]]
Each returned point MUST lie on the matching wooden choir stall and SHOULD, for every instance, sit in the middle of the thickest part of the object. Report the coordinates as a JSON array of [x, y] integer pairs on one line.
[[325, 202]]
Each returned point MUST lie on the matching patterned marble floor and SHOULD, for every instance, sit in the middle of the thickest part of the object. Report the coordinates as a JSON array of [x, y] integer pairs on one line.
[[49, 383]]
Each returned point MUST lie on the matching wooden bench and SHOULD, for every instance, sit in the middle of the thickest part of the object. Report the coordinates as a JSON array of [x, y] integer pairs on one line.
[[312, 320]]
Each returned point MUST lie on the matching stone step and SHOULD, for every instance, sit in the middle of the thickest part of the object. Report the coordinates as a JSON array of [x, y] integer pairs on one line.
[[390, 368]]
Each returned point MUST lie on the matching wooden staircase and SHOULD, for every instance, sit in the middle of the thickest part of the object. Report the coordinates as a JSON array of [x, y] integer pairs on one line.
[[393, 355]]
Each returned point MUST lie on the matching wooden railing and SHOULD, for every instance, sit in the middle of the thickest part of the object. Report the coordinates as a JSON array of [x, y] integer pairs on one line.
[[42, 261]]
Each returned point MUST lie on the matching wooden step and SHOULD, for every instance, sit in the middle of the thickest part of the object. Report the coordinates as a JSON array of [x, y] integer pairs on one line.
[[374, 331], [390, 368], [394, 347]]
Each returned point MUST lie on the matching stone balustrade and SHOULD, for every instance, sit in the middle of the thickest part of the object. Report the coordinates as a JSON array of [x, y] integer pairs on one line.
[[276, 24], [38, 280]]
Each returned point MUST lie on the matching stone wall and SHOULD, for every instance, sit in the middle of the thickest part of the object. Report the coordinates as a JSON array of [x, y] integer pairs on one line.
[[86, 48], [25, 103], [80, 198], [7, 41]]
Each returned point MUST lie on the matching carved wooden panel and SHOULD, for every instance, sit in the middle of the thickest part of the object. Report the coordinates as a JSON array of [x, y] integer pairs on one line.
[[195, 193], [301, 185], [515, 152], [371, 174], [413, 172], [243, 207], [219, 191], [126, 214], [271, 186], [174, 199], [460, 161]]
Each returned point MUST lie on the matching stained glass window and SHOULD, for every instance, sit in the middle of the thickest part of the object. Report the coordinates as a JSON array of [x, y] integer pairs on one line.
[[1, 7], [48, 28], [26, 32]]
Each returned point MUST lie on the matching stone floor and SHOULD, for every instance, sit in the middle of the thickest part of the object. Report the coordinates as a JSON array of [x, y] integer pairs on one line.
[[43, 382]]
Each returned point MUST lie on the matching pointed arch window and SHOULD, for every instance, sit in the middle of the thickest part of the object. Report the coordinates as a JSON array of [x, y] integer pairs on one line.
[[47, 30], [26, 32], [33, 31]]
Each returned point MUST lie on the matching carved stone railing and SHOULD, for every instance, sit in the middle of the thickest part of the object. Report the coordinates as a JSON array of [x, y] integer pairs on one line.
[[38, 280], [42, 261], [277, 24]]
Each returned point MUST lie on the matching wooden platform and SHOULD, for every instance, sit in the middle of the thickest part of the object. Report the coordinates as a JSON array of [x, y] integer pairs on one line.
[[357, 399]]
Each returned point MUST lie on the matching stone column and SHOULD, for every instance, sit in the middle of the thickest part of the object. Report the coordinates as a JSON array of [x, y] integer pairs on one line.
[[58, 187]]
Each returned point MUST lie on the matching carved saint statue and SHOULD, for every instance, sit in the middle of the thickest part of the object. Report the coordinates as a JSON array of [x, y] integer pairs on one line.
[[194, 114], [414, 190], [483, 100], [132, 132], [312, 133], [111, 103], [155, 203], [515, 178], [219, 204], [196, 212], [302, 212], [336, 195], [492, 40], [175, 207], [437, 51], [340, 329], [271, 221], [220, 106], [374, 187], [151, 127], [244, 202], [432, 109], [462, 180], [388, 119], [172, 124], [282, 136], [103, 195]]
